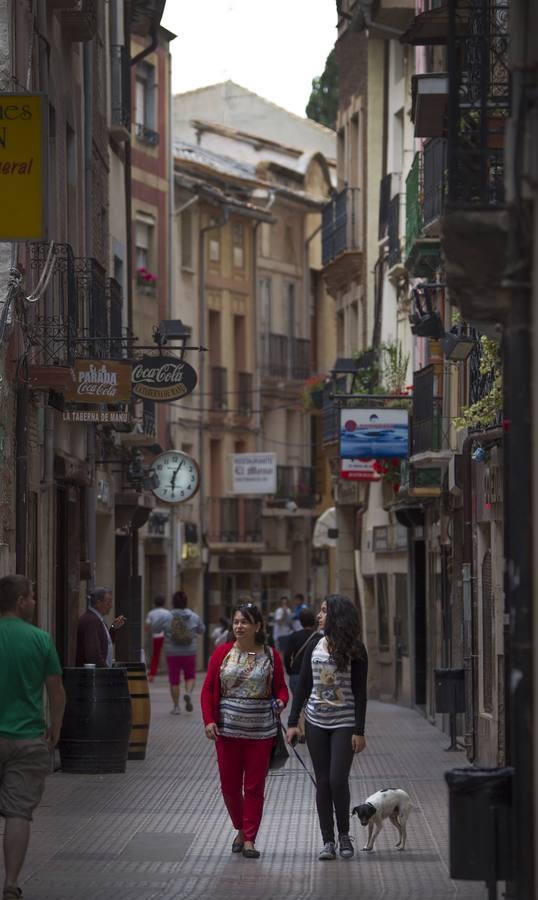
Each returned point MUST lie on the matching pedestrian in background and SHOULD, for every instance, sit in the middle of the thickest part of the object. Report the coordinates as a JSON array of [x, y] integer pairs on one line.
[[28, 664], [243, 689], [332, 683], [156, 619], [293, 656], [220, 632], [282, 624], [180, 644], [94, 638]]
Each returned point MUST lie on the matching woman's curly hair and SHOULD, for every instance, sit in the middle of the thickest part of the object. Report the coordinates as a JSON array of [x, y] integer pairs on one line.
[[342, 630]]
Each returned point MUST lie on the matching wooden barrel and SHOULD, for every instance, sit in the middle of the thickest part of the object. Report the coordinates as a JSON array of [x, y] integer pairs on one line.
[[97, 721], [137, 679]]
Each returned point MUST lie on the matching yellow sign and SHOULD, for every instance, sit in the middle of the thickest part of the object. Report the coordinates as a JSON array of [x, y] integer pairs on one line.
[[22, 166]]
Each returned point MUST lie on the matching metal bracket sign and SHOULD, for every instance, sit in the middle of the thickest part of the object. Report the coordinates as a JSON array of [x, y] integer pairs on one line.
[[163, 378], [23, 156]]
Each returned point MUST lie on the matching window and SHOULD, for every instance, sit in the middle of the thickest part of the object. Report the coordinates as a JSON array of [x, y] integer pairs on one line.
[[265, 305], [265, 239], [214, 243], [145, 95], [238, 246], [144, 233], [382, 592], [186, 239]]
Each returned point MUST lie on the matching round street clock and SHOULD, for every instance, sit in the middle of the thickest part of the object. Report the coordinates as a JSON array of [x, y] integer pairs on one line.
[[175, 476]]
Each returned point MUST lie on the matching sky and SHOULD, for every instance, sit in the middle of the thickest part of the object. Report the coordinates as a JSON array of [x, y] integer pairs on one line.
[[272, 47]]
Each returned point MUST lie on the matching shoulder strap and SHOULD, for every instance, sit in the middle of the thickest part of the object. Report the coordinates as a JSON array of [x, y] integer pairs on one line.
[[295, 656]]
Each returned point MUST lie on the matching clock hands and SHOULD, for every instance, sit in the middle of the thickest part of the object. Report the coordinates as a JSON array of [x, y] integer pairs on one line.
[[173, 479]]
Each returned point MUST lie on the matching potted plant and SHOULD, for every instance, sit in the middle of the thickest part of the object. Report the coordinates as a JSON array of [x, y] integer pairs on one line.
[[146, 279], [313, 391]]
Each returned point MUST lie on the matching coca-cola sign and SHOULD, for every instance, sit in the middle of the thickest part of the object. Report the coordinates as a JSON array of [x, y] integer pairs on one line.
[[99, 381], [163, 378]]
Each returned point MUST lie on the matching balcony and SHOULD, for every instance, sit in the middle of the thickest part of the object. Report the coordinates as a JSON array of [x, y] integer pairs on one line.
[[421, 251], [145, 135], [285, 358], [434, 172], [244, 382], [393, 231], [294, 484], [120, 85], [235, 520], [219, 389], [475, 227], [429, 429], [341, 240], [54, 335]]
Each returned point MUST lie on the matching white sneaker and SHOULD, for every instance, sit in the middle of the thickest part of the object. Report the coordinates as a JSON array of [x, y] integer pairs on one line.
[[175, 711], [328, 851]]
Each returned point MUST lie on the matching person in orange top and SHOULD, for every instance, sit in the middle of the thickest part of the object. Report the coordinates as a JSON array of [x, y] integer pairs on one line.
[[243, 689]]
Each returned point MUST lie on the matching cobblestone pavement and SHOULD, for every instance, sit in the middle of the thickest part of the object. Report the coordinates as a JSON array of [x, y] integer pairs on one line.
[[160, 830]]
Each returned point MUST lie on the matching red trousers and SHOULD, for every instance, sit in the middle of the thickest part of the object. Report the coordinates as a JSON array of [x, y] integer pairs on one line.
[[243, 765], [155, 655]]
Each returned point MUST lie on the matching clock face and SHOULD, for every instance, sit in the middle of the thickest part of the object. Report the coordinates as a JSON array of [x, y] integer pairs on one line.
[[175, 477]]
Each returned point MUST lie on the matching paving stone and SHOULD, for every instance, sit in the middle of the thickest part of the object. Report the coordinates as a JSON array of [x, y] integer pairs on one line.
[[161, 831]]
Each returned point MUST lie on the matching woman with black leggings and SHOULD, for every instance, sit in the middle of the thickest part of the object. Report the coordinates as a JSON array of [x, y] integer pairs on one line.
[[332, 683]]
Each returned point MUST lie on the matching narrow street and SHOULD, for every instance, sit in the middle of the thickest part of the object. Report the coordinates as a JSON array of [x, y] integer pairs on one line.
[[160, 830]]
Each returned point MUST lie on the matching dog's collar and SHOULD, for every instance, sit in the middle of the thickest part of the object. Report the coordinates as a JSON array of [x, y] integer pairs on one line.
[[371, 805]]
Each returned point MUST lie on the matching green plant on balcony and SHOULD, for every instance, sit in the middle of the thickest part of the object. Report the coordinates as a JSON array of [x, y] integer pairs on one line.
[[485, 411]]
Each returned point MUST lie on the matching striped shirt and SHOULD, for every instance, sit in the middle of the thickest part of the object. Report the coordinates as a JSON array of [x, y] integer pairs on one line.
[[331, 703], [245, 705]]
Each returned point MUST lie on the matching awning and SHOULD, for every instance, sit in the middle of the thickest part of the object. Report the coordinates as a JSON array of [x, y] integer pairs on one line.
[[326, 530]]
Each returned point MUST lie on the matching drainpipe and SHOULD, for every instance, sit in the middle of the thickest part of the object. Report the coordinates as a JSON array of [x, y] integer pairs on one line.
[[201, 386], [470, 601], [91, 493]]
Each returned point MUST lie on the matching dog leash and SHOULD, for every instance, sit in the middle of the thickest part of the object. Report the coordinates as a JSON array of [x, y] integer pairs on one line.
[[301, 760]]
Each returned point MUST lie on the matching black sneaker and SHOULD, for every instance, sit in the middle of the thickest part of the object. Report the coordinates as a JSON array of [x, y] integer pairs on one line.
[[345, 846], [188, 703]]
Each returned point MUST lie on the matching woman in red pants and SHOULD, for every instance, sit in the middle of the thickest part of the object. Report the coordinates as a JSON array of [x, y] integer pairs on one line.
[[243, 678]]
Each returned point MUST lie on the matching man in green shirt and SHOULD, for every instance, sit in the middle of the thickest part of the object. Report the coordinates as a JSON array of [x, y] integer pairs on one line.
[[28, 663]]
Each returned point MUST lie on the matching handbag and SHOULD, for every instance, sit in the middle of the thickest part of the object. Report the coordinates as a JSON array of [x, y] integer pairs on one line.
[[279, 753]]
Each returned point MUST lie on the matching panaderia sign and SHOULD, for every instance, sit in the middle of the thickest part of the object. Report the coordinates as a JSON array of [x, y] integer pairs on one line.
[[99, 381], [163, 378]]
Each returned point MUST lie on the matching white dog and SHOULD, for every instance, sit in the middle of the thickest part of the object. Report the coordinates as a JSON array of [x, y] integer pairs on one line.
[[391, 803]]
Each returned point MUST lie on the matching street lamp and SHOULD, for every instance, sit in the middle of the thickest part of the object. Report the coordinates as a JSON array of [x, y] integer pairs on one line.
[[172, 330], [457, 346]]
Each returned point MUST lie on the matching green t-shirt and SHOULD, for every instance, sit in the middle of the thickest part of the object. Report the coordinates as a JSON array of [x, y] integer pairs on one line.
[[27, 658]]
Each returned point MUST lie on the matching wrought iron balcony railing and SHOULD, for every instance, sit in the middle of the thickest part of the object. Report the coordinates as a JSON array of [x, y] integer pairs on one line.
[[429, 430], [146, 135], [285, 358], [478, 103], [393, 230], [55, 333], [413, 205], [295, 483], [235, 520], [434, 174], [120, 84], [341, 225], [300, 358], [115, 303], [219, 388], [244, 395]]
